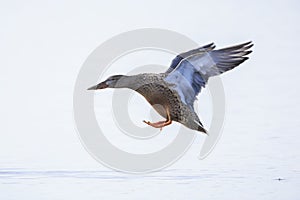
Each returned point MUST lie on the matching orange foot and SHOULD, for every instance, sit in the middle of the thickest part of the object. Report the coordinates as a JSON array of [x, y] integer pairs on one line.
[[160, 124]]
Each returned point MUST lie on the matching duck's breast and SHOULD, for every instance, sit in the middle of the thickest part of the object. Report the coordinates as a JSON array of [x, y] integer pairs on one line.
[[161, 97]]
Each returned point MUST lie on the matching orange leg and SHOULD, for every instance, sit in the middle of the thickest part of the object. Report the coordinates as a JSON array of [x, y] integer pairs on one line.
[[161, 124]]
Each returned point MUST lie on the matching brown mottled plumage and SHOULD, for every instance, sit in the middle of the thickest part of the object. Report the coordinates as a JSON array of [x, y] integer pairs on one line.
[[159, 94], [173, 93]]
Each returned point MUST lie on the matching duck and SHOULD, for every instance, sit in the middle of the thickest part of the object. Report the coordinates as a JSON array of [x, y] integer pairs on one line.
[[172, 93]]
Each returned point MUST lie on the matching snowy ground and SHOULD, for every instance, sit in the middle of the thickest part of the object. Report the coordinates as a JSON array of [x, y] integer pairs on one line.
[[43, 46]]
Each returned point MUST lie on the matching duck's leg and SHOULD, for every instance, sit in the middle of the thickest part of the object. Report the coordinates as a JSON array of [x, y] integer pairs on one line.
[[161, 124]]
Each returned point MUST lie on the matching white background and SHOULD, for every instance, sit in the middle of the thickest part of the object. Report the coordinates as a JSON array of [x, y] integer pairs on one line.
[[42, 47]]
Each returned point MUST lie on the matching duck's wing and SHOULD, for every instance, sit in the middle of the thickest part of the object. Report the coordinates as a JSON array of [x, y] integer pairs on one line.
[[190, 71], [183, 55]]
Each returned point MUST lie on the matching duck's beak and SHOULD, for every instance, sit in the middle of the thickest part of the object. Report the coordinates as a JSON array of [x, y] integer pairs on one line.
[[99, 86]]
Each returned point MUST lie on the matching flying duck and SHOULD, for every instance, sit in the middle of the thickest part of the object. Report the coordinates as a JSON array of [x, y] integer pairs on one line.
[[172, 93]]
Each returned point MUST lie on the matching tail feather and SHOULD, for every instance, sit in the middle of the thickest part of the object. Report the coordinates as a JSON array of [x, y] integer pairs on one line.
[[200, 126]]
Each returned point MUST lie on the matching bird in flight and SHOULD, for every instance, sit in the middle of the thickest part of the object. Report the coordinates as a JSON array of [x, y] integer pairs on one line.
[[172, 93]]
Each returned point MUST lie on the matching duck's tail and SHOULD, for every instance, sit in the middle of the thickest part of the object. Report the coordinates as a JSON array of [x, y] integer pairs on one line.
[[199, 127]]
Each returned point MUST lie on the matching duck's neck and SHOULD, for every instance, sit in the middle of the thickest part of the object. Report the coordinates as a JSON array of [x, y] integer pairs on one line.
[[126, 82]]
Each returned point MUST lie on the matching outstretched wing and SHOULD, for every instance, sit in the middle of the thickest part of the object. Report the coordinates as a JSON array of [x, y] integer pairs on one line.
[[190, 71]]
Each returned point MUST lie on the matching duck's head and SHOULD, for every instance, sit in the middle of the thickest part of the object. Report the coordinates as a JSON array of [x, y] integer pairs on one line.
[[115, 81]]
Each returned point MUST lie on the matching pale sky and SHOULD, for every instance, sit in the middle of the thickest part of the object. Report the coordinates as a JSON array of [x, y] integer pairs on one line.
[[44, 44]]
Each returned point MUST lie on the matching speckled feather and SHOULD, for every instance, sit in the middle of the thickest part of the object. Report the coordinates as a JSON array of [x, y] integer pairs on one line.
[[161, 96]]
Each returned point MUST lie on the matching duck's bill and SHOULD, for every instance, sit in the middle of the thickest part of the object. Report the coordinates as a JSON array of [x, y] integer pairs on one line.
[[99, 86]]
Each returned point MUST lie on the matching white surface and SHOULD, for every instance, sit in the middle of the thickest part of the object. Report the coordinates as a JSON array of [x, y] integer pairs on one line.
[[42, 48]]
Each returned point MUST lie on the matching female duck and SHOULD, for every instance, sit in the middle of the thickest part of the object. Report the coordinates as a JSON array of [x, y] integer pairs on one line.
[[172, 94]]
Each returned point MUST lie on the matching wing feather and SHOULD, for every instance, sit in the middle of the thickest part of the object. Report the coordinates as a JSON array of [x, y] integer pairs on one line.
[[181, 56]]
